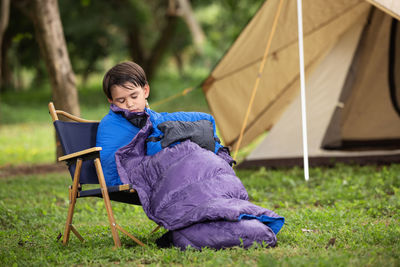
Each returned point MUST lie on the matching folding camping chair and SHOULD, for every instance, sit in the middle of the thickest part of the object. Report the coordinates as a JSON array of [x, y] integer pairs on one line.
[[78, 141]]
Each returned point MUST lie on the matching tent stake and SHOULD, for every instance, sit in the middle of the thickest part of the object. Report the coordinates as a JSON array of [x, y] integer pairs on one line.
[[302, 88]]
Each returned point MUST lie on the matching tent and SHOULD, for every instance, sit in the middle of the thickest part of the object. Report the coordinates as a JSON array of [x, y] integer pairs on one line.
[[352, 63]]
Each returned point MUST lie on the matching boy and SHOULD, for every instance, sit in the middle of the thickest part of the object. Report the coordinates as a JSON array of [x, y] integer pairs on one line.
[[181, 172], [127, 90]]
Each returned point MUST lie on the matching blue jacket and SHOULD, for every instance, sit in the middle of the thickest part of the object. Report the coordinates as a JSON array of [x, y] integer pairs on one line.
[[115, 132]]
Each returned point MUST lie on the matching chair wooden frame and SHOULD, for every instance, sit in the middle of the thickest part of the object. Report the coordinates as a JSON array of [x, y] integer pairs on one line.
[[78, 158]]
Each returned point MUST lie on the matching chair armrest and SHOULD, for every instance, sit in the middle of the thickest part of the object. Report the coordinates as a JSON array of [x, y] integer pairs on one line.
[[80, 153], [126, 187]]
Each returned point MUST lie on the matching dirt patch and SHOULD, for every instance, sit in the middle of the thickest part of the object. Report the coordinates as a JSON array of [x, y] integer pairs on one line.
[[7, 171]]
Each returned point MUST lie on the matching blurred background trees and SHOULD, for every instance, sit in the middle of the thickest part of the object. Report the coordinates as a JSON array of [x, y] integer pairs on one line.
[[59, 50], [160, 35]]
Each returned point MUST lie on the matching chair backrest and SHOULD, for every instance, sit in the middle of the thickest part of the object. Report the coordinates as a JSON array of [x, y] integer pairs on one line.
[[76, 136]]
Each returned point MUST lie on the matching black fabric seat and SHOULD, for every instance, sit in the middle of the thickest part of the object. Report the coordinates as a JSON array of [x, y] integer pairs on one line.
[[116, 193]]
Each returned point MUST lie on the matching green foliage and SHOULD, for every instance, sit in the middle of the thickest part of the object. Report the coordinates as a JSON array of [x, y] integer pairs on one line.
[[88, 33], [27, 134], [222, 22], [344, 216], [100, 33]]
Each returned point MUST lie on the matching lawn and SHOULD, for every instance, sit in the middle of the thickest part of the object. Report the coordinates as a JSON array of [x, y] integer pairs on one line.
[[344, 216]]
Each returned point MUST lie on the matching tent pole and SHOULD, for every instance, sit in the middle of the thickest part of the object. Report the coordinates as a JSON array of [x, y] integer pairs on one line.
[[302, 88]]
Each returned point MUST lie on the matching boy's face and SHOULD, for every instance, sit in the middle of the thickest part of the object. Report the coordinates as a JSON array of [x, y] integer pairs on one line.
[[130, 97]]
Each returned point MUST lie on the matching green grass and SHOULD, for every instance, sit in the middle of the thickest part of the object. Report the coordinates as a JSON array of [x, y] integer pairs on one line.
[[356, 206], [27, 143]]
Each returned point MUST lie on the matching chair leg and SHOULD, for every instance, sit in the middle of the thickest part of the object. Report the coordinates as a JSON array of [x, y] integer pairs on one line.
[[76, 233], [107, 203], [130, 236], [72, 201]]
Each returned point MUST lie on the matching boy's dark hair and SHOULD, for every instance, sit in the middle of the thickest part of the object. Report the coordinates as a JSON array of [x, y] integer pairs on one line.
[[122, 73]]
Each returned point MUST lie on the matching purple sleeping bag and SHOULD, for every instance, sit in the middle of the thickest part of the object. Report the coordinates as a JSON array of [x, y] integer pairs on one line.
[[196, 195]]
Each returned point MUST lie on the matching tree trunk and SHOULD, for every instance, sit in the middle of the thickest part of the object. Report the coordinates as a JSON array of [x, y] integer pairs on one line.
[[160, 47], [6, 71], [185, 10], [179, 63], [50, 36], [5, 15], [136, 50], [49, 33], [150, 60]]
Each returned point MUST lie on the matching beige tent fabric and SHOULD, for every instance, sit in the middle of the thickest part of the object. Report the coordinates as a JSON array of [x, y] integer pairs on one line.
[[396, 70], [285, 138], [228, 88], [347, 100], [391, 7], [368, 114]]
